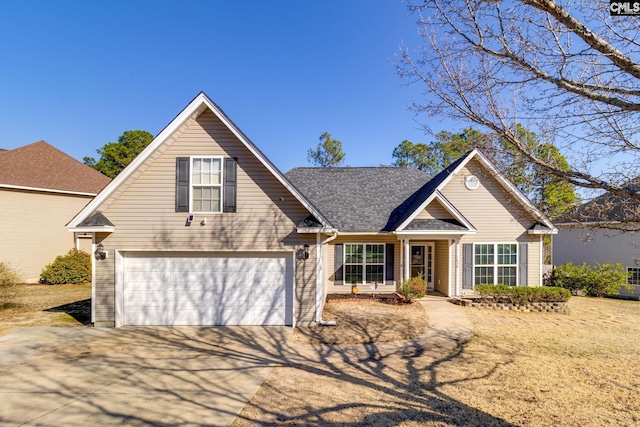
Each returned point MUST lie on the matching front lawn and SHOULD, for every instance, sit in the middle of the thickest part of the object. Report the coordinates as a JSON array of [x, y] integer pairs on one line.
[[48, 305], [362, 322], [521, 369]]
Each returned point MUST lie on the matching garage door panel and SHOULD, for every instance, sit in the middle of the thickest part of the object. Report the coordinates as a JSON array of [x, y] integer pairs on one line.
[[190, 281], [195, 298], [268, 318], [230, 316], [147, 279], [186, 317], [149, 317], [144, 297], [232, 298], [166, 289]]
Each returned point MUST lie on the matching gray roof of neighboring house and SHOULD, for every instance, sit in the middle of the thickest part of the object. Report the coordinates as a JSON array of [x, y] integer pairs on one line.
[[358, 198], [606, 208]]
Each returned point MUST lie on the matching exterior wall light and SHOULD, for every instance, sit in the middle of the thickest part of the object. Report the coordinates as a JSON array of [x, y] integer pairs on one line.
[[306, 251], [100, 253]]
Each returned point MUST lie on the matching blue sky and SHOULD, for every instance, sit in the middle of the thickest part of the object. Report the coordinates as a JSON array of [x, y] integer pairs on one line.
[[77, 74]]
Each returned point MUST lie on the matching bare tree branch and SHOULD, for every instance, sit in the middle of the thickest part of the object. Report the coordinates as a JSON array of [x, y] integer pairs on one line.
[[564, 69]]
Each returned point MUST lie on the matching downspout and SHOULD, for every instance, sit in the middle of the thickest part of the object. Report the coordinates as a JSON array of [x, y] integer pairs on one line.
[[320, 279]]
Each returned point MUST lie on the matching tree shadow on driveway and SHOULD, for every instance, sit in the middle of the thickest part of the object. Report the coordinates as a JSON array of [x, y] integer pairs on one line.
[[205, 376]]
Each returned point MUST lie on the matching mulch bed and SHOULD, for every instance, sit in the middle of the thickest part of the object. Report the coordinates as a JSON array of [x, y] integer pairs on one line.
[[387, 298]]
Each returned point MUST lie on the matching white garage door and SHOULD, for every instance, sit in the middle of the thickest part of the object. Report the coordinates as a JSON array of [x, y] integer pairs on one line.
[[187, 289]]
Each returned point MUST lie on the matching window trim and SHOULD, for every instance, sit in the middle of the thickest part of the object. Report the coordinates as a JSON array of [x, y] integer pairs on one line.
[[495, 264], [364, 263], [192, 186], [631, 275]]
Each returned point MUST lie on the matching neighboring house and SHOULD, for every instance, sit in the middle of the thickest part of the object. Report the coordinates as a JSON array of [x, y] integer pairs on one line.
[[605, 230], [202, 229], [41, 189]]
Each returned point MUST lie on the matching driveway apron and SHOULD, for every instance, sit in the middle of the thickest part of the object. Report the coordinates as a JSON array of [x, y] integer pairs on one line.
[[133, 376]]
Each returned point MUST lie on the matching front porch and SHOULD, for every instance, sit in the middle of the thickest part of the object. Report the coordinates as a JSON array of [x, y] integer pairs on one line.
[[431, 259]]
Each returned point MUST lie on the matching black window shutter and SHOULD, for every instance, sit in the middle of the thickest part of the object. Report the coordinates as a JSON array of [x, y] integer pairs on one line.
[[230, 184], [523, 261], [338, 277], [388, 262], [467, 266], [182, 184]]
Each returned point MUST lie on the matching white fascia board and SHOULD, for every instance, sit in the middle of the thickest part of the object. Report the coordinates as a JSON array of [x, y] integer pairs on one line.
[[404, 234], [551, 231], [364, 233], [195, 107], [263, 159], [308, 230], [447, 205], [96, 229], [439, 189], [511, 188], [46, 190], [315, 230], [498, 175]]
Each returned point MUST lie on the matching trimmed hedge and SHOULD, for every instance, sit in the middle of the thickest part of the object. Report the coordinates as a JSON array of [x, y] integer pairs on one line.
[[522, 295], [72, 268]]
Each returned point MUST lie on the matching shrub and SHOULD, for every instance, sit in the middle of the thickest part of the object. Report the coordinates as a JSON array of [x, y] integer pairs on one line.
[[74, 267], [9, 281], [597, 281], [522, 295], [416, 287]]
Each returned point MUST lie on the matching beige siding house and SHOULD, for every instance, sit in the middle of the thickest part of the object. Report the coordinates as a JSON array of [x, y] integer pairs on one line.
[[41, 190], [202, 229]]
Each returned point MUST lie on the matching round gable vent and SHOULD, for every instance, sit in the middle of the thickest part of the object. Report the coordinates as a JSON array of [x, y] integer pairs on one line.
[[472, 182]]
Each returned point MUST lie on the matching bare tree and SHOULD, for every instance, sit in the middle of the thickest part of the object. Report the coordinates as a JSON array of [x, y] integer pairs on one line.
[[566, 70]]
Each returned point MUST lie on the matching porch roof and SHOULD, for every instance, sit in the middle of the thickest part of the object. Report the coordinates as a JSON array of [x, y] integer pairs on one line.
[[436, 225]]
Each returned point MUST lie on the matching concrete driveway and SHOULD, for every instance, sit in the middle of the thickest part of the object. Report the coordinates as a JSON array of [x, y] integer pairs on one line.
[[133, 376]]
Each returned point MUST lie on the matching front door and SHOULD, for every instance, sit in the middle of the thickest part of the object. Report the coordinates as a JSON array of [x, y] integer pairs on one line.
[[422, 262]]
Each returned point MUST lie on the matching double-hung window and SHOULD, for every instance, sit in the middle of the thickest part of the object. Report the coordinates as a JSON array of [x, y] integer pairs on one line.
[[495, 263], [206, 184], [634, 275], [364, 263]]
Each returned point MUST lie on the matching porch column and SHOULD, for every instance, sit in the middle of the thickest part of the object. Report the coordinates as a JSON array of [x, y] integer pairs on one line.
[[456, 263], [407, 260]]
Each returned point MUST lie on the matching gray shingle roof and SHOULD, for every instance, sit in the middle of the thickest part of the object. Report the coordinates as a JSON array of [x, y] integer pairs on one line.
[[436, 224], [96, 220], [403, 211], [358, 199]]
